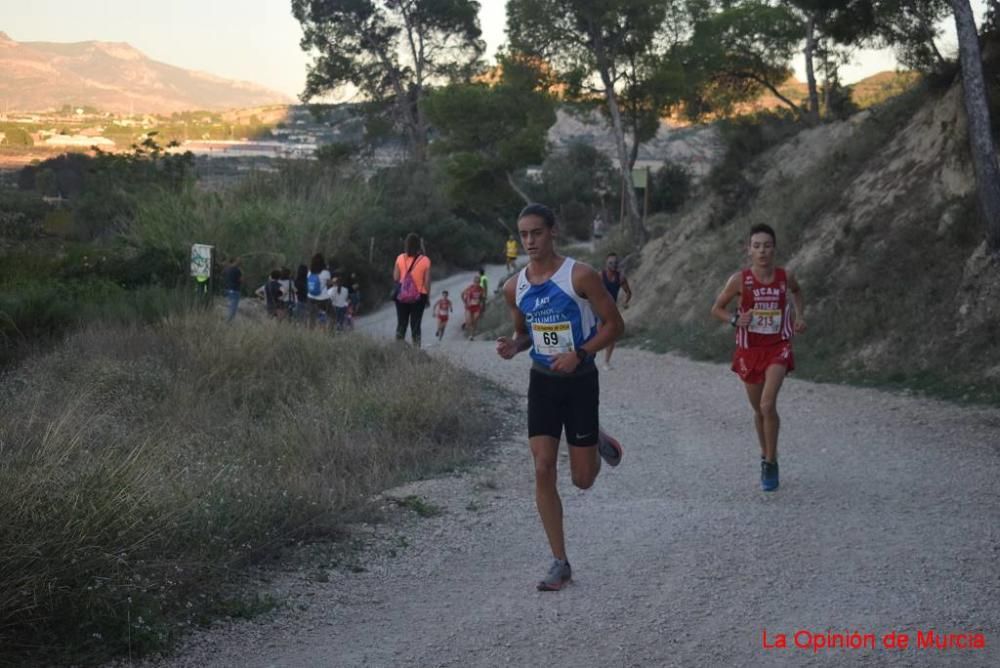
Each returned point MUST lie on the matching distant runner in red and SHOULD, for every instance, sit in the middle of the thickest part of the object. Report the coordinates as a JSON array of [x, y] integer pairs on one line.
[[765, 322], [442, 309], [473, 297]]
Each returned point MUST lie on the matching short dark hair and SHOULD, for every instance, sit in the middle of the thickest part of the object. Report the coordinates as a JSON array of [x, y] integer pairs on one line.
[[540, 210], [276, 275], [612, 254], [763, 228]]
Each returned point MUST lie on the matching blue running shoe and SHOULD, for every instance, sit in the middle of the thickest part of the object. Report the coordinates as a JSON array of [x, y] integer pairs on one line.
[[768, 476]]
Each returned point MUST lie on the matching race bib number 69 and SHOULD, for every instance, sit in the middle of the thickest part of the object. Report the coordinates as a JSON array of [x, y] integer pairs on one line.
[[552, 338]]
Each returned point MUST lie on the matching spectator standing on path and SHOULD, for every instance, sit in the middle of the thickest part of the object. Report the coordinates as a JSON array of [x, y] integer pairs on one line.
[[598, 227], [201, 291], [317, 284], [484, 283], [340, 300], [287, 293], [511, 250], [354, 284], [301, 284], [273, 296], [412, 277], [555, 303], [615, 281], [765, 322], [232, 283]]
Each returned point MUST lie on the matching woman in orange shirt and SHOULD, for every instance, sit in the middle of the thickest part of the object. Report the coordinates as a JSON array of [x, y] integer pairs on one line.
[[412, 277]]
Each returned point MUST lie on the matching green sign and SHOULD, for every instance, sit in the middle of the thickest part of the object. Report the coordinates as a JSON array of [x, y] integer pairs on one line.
[[639, 177]]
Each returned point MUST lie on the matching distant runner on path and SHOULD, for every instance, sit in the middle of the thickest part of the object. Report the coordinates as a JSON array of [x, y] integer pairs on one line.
[[560, 300], [473, 297], [765, 322], [442, 309], [511, 250], [615, 281]]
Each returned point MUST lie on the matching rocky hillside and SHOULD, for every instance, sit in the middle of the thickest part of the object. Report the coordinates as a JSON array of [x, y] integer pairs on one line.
[[876, 215], [698, 148], [112, 76]]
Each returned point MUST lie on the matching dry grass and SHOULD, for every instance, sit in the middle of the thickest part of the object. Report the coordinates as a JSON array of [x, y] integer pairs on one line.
[[140, 467]]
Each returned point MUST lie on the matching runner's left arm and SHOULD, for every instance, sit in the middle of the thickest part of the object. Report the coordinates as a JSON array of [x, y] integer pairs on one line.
[[627, 289], [800, 308]]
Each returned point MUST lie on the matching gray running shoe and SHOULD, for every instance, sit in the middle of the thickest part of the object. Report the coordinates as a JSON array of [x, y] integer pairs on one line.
[[609, 448], [559, 574]]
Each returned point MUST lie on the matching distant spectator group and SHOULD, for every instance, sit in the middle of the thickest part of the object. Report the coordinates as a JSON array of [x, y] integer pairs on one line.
[[315, 295]]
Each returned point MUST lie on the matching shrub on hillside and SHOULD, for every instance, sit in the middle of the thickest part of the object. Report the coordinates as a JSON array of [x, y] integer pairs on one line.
[[671, 185], [581, 176]]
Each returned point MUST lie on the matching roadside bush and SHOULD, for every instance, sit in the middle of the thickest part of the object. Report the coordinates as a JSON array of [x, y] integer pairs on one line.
[[745, 138], [143, 465], [575, 219], [671, 187], [39, 310], [581, 175]]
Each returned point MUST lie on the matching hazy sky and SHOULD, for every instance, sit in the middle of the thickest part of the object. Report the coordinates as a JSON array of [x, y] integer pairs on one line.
[[253, 40]]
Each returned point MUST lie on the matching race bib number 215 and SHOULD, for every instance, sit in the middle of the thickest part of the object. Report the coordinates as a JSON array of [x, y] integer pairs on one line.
[[765, 321]]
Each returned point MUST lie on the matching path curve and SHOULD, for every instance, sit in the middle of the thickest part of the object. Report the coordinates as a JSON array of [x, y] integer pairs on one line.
[[888, 519]]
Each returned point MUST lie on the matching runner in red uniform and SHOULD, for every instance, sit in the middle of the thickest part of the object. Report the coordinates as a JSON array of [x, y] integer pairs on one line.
[[442, 309], [765, 323], [473, 298]]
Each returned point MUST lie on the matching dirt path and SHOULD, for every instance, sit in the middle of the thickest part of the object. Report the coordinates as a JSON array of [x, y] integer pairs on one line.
[[888, 519]]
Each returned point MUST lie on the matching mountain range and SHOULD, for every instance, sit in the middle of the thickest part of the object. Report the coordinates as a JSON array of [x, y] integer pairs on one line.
[[112, 76]]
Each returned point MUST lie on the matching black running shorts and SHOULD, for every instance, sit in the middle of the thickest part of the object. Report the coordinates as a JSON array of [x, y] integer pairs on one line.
[[555, 402]]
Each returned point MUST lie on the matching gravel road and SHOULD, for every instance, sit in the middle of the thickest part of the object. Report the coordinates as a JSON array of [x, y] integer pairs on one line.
[[887, 519]]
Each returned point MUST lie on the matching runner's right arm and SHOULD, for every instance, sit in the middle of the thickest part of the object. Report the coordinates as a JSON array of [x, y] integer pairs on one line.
[[507, 348], [720, 309], [627, 289]]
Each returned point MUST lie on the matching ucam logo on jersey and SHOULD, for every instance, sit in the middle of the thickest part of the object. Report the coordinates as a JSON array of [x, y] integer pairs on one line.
[[541, 301], [767, 293]]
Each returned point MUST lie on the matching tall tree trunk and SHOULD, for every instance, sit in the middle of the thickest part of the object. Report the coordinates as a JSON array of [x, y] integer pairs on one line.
[[828, 81], [984, 155], [810, 73], [637, 231], [513, 186], [941, 62], [633, 153], [417, 128]]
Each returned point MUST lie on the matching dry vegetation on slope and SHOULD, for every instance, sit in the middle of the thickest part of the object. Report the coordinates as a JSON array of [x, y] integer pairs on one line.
[[876, 215], [144, 467]]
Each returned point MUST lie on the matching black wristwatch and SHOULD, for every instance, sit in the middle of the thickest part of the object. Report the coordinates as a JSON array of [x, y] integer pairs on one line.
[[732, 321], [582, 354]]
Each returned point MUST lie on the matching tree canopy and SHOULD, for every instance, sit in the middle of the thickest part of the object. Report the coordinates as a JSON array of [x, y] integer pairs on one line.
[[390, 51]]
